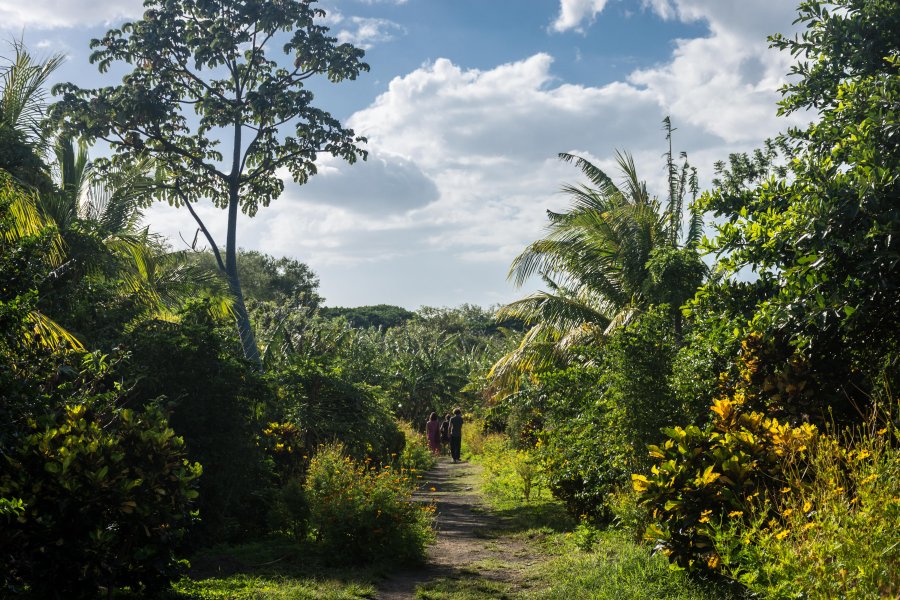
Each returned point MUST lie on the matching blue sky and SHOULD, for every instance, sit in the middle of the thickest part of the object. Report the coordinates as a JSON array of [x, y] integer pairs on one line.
[[466, 106]]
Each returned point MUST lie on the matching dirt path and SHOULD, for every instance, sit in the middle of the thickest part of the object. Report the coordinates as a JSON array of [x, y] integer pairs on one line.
[[468, 544]]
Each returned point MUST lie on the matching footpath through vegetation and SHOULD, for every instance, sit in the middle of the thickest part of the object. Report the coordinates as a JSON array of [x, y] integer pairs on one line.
[[473, 552], [196, 424], [491, 547]]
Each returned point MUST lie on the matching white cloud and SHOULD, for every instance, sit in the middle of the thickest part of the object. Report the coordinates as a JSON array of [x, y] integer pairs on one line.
[[463, 161], [364, 32], [383, 184], [51, 14], [572, 13], [726, 83]]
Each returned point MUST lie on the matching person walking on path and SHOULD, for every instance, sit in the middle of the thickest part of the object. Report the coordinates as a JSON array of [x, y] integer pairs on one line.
[[445, 433], [456, 423], [433, 432]]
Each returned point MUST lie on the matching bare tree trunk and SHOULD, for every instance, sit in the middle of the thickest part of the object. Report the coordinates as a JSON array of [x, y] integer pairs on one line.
[[242, 318]]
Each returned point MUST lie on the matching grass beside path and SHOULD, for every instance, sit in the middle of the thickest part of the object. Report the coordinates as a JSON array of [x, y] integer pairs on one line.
[[491, 550], [276, 569], [536, 551]]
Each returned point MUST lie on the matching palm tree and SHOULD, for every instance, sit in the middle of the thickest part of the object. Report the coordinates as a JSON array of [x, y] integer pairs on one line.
[[595, 260], [20, 220], [23, 93], [99, 217]]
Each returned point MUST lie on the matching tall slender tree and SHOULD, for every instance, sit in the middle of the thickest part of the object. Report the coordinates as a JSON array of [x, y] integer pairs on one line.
[[212, 58]]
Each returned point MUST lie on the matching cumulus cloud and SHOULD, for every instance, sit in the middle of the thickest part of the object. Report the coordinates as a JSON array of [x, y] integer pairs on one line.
[[51, 14], [573, 13], [727, 82], [383, 184], [364, 32], [463, 161]]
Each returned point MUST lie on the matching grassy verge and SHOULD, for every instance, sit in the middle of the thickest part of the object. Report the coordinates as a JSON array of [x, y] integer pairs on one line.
[[546, 554], [276, 569]]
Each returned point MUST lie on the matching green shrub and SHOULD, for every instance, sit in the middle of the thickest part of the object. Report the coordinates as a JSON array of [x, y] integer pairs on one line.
[[511, 475], [364, 514], [286, 448], [835, 535], [582, 446], [105, 502], [415, 457], [475, 435], [705, 476], [628, 514], [218, 403], [289, 510], [637, 363], [327, 405], [585, 536]]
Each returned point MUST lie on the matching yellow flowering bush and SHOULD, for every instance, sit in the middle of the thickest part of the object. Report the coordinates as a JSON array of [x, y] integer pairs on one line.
[[833, 535], [702, 477]]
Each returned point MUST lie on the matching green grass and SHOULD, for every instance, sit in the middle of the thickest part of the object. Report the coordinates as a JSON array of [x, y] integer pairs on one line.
[[616, 569], [468, 586], [278, 569]]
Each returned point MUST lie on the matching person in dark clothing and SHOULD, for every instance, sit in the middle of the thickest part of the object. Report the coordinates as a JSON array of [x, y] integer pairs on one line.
[[456, 423], [445, 433]]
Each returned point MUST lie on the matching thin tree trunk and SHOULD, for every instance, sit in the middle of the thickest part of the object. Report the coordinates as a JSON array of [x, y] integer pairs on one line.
[[244, 326], [242, 318]]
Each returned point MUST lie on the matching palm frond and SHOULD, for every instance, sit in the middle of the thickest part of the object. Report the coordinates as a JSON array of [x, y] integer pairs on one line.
[[535, 353], [45, 332], [23, 95]]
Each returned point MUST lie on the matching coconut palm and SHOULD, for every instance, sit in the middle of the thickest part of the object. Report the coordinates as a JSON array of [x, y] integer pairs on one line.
[[21, 220], [596, 260]]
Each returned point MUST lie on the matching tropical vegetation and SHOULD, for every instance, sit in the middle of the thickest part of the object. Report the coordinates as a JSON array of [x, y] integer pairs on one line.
[[700, 403]]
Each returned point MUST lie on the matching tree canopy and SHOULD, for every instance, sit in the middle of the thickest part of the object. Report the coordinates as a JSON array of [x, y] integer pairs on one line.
[[212, 102]]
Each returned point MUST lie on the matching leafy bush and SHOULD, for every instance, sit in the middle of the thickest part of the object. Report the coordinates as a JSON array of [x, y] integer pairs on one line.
[[510, 474], [363, 514], [326, 405], [105, 502], [474, 437], [628, 514], [637, 369], [585, 536], [285, 446], [415, 457], [218, 404], [581, 444], [835, 535], [704, 476], [289, 510]]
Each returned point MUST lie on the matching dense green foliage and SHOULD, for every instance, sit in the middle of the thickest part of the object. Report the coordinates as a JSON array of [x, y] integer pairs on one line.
[[241, 86], [738, 416], [362, 513], [217, 402], [105, 502], [384, 316], [739, 384], [821, 232], [834, 536]]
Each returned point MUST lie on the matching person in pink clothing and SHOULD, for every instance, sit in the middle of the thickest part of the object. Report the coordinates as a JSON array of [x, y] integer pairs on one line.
[[433, 432]]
